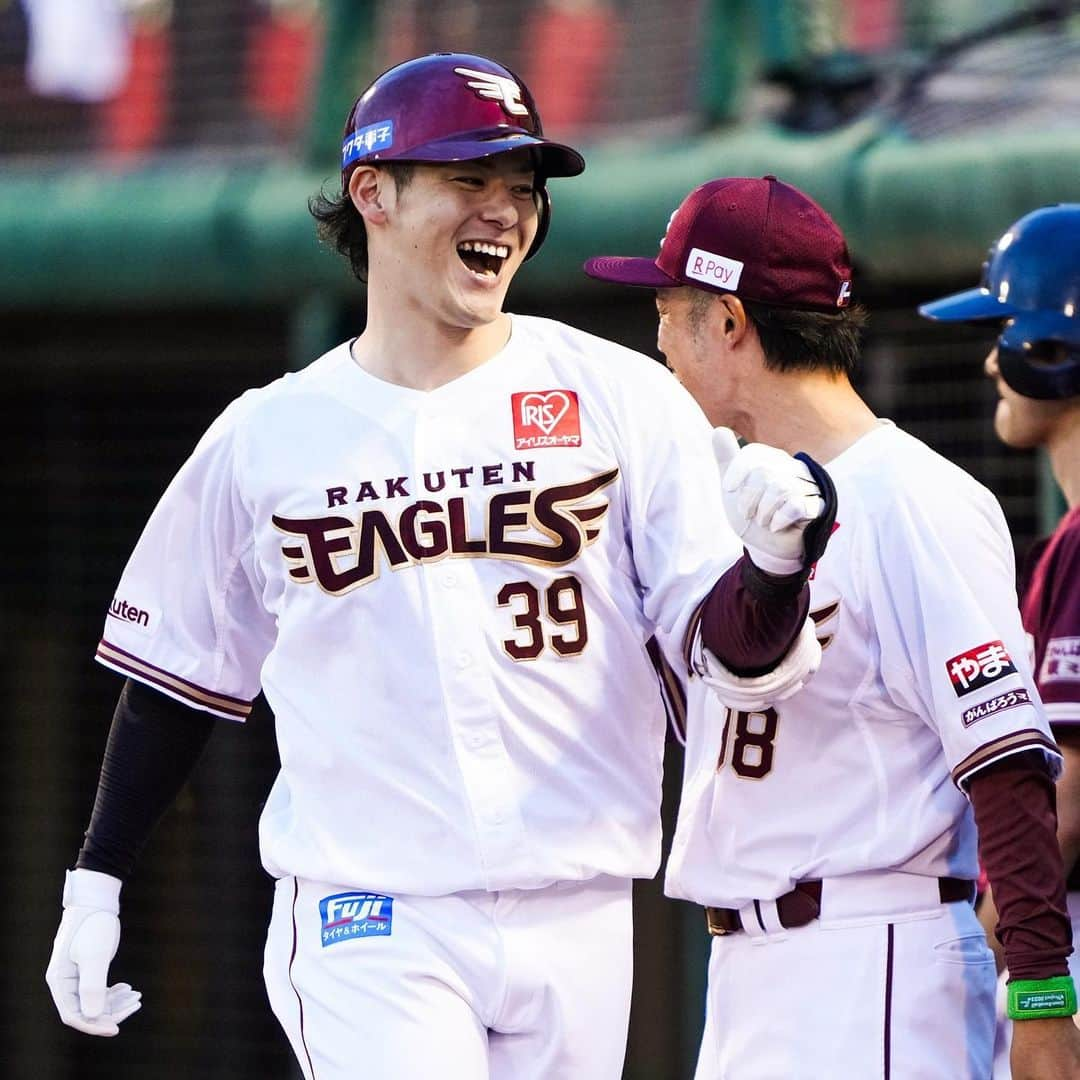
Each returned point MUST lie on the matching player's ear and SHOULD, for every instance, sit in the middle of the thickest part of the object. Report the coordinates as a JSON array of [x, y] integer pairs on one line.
[[367, 187], [733, 316]]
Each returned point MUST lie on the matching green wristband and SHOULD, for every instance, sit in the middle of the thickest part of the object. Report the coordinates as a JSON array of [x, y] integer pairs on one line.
[[1037, 999]]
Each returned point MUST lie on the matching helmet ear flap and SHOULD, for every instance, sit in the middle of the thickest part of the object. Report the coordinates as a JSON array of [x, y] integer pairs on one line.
[[543, 218], [1036, 367]]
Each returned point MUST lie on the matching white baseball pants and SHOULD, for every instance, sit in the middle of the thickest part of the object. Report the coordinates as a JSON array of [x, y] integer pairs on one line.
[[888, 984], [516, 985]]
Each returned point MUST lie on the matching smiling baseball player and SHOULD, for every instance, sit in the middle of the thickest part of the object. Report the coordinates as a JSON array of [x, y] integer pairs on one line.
[[832, 838], [440, 551]]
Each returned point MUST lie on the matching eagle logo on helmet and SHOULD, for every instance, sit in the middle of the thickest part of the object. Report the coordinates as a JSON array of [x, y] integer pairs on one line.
[[498, 88]]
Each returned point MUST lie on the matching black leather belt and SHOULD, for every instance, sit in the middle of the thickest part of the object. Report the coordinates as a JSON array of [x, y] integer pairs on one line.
[[803, 905]]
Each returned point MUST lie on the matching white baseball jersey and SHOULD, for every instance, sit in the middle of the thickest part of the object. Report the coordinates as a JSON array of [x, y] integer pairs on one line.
[[924, 679], [445, 597]]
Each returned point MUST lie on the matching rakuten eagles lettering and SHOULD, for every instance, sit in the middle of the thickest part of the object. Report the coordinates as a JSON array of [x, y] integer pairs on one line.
[[342, 553]]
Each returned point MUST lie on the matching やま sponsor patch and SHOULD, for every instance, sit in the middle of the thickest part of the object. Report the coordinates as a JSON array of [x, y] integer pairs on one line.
[[978, 667]]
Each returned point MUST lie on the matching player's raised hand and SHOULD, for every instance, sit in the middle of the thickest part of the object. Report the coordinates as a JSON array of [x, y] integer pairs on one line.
[[85, 945], [781, 507]]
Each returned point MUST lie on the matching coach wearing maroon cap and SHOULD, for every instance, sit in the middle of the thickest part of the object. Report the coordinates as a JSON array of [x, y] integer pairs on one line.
[[832, 838], [744, 254]]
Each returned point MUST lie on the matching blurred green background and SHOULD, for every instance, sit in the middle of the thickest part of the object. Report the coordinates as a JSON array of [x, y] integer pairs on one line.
[[156, 258]]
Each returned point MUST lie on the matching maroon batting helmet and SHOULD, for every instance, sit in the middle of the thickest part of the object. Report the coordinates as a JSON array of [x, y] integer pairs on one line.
[[453, 107]]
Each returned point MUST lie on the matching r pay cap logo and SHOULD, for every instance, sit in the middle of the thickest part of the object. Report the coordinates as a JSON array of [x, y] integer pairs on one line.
[[355, 914], [713, 269]]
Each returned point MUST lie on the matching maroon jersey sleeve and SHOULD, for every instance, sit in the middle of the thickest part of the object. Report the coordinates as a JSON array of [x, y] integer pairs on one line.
[[1051, 611], [751, 619], [1015, 810]]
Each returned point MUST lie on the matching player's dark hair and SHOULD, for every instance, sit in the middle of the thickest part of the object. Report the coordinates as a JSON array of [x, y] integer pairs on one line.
[[338, 222], [797, 340]]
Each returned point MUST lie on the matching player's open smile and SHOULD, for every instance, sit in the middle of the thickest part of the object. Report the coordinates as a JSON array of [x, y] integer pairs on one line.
[[483, 258]]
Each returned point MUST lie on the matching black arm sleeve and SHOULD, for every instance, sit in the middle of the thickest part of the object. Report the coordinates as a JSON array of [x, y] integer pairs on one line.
[[153, 746]]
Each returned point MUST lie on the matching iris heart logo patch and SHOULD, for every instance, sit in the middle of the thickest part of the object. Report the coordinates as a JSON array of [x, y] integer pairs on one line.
[[544, 410], [546, 418]]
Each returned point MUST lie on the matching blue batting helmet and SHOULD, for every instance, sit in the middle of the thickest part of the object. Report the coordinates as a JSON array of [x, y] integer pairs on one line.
[[1031, 284]]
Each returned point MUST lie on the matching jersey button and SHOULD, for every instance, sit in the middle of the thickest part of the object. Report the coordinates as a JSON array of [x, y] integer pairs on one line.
[[449, 580], [464, 659]]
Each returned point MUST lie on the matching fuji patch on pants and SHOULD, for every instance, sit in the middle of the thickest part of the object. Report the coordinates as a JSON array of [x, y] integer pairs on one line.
[[355, 914]]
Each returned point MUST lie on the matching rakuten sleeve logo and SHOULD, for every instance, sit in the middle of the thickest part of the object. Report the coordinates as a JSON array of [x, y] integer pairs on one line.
[[546, 418], [979, 667], [143, 619]]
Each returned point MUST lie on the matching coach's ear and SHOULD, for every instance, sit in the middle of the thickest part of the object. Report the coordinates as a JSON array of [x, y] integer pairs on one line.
[[731, 317], [366, 189]]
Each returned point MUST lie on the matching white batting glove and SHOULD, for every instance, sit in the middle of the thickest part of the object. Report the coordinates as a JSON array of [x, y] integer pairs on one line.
[[770, 498], [82, 952]]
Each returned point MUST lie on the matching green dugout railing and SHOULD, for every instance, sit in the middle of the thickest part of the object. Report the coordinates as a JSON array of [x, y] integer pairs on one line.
[[170, 236]]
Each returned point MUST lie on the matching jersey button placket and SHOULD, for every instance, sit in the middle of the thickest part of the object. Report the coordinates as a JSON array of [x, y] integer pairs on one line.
[[461, 612]]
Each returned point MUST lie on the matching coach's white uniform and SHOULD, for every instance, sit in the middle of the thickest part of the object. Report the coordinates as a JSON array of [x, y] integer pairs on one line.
[[857, 781], [445, 597]]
